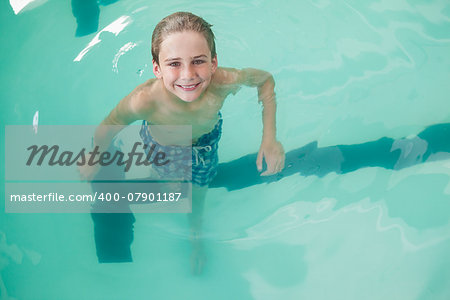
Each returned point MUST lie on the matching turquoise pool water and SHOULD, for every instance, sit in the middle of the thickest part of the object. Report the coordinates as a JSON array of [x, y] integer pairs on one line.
[[349, 223]]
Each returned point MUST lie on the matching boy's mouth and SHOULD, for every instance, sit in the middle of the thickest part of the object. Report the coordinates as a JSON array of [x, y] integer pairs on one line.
[[188, 87]]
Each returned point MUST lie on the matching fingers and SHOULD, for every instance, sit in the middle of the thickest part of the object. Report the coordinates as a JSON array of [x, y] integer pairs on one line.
[[274, 156], [259, 161], [273, 166], [80, 172], [273, 169], [86, 173]]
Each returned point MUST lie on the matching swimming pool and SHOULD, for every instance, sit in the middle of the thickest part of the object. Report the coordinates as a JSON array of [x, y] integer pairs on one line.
[[363, 210]]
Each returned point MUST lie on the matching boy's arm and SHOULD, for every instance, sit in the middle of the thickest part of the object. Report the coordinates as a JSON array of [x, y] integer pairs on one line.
[[232, 79], [270, 149], [131, 108], [265, 84]]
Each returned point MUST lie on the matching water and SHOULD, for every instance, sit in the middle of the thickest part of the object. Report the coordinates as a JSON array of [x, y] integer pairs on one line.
[[349, 223]]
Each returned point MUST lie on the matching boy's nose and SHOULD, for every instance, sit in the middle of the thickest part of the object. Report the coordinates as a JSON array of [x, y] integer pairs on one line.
[[188, 73]]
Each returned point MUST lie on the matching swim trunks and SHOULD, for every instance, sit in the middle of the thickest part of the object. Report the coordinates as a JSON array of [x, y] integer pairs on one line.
[[202, 160]]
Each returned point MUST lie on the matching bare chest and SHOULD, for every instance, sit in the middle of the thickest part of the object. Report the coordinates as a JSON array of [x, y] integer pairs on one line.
[[201, 116]]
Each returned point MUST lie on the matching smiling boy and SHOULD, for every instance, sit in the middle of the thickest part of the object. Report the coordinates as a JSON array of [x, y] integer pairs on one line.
[[190, 89]]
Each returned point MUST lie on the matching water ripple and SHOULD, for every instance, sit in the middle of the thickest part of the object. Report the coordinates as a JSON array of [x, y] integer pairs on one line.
[[115, 27]]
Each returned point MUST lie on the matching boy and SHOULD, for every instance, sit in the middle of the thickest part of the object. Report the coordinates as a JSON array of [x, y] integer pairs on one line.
[[190, 89]]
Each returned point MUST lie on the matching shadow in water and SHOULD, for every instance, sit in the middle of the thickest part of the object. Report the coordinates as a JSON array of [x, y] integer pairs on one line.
[[87, 13], [431, 144], [113, 232]]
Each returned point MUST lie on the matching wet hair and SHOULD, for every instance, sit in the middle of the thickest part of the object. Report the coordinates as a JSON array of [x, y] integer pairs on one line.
[[179, 22]]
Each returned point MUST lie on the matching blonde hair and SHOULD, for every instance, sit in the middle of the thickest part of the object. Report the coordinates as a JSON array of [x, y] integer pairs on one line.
[[179, 22]]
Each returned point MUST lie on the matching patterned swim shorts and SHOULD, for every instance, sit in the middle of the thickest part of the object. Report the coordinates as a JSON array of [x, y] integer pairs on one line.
[[203, 159]]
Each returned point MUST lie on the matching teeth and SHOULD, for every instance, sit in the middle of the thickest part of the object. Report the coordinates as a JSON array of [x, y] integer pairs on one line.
[[188, 86]]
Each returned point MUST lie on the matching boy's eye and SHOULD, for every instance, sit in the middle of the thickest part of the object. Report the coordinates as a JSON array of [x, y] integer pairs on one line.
[[174, 64], [198, 61]]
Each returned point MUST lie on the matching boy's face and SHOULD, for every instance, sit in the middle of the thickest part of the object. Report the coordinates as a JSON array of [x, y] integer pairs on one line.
[[185, 65]]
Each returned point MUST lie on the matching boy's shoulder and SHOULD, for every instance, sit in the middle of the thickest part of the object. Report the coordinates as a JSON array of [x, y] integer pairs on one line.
[[142, 98], [226, 76], [227, 80]]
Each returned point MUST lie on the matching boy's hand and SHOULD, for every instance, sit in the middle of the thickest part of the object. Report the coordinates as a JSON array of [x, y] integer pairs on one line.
[[273, 153], [88, 172]]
